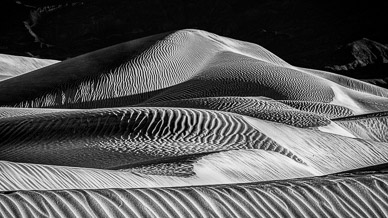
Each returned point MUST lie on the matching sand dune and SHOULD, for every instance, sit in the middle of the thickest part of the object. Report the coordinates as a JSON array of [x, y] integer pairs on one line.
[[369, 126], [11, 66], [332, 196], [189, 123], [15, 112], [261, 108], [325, 109], [110, 138], [183, 64], [212, 169]]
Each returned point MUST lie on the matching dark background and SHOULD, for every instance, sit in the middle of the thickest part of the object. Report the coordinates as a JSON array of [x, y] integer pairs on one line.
[[342, 37]]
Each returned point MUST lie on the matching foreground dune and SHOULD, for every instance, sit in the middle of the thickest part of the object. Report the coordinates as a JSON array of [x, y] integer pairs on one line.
[[131, 129], [333, 196]]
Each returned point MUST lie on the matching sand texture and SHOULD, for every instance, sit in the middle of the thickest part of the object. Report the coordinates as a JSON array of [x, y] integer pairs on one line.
[[189, 124]]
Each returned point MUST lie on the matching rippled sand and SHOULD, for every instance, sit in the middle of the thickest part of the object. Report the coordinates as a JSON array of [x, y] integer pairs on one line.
[[189, 123]]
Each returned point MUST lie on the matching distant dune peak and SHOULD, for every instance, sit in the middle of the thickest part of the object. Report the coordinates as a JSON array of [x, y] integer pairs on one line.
[[183, 64]]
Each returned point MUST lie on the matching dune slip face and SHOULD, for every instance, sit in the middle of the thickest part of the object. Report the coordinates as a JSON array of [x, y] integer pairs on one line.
[[189, 124]]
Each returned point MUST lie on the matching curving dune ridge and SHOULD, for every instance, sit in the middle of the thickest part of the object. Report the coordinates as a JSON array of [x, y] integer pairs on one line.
[[190, 123]]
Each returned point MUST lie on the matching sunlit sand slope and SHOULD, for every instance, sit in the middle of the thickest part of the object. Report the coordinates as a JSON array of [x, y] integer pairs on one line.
[[15, 112], [248, 166], [11, 66]]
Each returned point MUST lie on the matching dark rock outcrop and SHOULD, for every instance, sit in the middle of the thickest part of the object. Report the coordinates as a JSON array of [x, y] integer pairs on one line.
[[361, 53], [363, 59]]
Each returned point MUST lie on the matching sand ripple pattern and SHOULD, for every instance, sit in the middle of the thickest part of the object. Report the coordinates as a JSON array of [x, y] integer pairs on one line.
[[265, 109], [181, 65], [138, 134], [327, 110], [332, 196], [190, 124], [372, 127]]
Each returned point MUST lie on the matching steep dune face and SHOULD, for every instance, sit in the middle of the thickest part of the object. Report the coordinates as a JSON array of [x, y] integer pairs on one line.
[[189, 108]]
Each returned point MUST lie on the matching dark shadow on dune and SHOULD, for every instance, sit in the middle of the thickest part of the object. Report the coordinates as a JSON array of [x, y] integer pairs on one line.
[[178, 166], [171, 159], [112, 102], [189, 89], [363, 116], [379, 168], [37, 83], [196, 88]]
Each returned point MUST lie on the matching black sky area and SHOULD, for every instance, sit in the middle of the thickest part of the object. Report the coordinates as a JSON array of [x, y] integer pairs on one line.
[[304, 33]]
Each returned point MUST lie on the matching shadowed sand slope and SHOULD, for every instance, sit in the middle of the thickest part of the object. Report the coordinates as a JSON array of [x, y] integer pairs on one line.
[[190, 108]]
